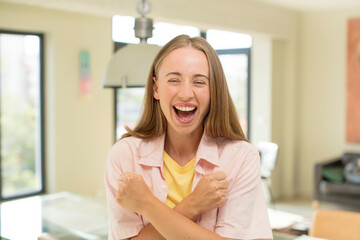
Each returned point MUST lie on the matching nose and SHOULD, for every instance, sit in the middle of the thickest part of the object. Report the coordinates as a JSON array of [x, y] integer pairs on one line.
[[186, 91]]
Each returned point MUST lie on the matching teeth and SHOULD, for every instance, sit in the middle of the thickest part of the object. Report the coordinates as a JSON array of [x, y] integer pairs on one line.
[[184, 109]]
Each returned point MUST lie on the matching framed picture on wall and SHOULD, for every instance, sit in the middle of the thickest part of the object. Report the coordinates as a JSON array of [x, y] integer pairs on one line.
[[353, 82]]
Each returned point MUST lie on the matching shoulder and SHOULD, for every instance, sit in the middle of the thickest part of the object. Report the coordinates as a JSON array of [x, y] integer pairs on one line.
[[237, 148], [132, 145], [125, 150], [126, 143], [238, 157], [133, 148], [122, 146]]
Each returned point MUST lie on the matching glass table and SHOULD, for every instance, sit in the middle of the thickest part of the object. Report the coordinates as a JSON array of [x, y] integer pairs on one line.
[[69, 216], [63, 215]]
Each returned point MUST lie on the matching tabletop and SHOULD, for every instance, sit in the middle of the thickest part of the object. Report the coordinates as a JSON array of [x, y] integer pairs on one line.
[[64, 215]]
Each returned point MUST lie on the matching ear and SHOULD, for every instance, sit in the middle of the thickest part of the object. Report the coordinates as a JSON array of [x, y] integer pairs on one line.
[[155, 89]]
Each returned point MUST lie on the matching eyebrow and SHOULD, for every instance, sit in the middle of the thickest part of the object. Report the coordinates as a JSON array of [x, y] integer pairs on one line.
[[173, 73], [179, 74], [201, 75]]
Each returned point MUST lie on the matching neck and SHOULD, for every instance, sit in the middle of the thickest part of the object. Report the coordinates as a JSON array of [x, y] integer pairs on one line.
[[182, 148]]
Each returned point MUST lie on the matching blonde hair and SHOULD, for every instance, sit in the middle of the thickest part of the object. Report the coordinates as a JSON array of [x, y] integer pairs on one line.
[[221, 120]]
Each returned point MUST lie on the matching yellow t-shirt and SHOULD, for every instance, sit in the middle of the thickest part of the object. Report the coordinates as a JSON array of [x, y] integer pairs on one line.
[[178, 179]]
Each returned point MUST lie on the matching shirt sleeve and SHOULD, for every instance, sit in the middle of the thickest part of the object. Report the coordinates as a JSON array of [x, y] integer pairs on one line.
[[122, 222], [244, 214]]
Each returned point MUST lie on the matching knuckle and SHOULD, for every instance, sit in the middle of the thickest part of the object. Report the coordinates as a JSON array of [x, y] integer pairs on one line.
[[125, 177], [120, 190], [221, 174], [213, 187], [118, 196], [208, 178], [225, 188], [218, 195]]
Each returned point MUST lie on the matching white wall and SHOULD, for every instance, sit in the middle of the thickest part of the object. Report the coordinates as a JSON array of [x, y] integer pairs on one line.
[[261, 58], [78, 131], [322, 92]]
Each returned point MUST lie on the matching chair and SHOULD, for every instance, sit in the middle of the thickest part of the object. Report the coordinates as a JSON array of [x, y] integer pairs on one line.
[[336, 225], [268, 157]]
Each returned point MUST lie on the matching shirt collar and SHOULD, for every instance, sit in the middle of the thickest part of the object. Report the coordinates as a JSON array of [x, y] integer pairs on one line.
[[208, 150], [151, 151]]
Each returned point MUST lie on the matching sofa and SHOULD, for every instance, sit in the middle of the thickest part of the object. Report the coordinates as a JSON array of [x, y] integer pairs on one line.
[[330, 185]]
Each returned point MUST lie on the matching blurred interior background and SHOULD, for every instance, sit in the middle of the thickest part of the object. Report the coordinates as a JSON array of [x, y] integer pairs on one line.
[[285, 61]]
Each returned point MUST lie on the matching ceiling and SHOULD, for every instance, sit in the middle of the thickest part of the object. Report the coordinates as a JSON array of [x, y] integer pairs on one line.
[[111, 7], [310, 5]]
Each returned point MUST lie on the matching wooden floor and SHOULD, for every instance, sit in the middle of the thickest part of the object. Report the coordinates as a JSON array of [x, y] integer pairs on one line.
[[294, 216]]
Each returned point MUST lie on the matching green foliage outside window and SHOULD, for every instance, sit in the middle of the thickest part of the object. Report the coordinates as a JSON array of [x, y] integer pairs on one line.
[[18, 146]]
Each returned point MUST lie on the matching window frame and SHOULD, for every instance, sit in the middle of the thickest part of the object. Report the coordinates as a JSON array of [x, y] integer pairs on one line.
[[42, 119]]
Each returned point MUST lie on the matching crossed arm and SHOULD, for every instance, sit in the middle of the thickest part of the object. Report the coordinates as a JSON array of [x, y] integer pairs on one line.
[[177, 223]]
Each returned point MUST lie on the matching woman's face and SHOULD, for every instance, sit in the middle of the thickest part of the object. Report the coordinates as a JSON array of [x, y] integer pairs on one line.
[[182, 87]]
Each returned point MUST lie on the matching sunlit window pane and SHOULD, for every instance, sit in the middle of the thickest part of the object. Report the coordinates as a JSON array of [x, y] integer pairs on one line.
[[20, 114], [164, 32], [123, 29], [128, 108], [228, 40], [236, 71]]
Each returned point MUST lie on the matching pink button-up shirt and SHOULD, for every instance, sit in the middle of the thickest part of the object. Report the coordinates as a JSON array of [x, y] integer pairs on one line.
[[242, 216]]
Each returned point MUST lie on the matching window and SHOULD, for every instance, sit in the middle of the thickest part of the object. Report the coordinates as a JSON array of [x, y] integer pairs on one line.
[[236, 63], [21, 114], [234, 53], [128, 108], [233, 50]]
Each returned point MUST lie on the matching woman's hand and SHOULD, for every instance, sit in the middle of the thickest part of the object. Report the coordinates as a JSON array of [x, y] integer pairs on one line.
[[208, 194], [133, 193]]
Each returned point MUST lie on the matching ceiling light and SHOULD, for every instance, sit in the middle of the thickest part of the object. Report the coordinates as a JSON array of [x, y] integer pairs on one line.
[[130, 65]]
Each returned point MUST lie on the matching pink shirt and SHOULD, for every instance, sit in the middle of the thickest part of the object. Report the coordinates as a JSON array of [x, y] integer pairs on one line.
[[242, 216]]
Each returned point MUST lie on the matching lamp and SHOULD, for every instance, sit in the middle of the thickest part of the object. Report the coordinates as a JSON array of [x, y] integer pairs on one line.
[[130, 65]]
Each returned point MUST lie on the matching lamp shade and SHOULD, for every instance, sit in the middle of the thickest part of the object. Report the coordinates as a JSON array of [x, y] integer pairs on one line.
[[130, 66]]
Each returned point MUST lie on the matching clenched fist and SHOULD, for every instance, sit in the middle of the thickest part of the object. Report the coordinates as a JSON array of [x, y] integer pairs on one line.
[[133, 193]]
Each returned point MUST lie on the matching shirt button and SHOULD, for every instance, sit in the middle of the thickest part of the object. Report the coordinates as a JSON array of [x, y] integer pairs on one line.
[[163, 187]]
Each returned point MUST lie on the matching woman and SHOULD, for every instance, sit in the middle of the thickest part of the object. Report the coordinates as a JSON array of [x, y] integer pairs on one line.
[[186, 171]]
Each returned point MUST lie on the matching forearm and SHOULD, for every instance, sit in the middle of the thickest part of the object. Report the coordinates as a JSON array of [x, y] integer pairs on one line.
[[148, 232], [184, 208], [172, 225]]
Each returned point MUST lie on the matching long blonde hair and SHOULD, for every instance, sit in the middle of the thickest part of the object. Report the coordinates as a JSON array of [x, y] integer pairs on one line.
[[221, 120]]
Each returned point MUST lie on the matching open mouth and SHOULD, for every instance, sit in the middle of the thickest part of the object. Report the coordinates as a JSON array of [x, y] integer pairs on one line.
[[185, 113]]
